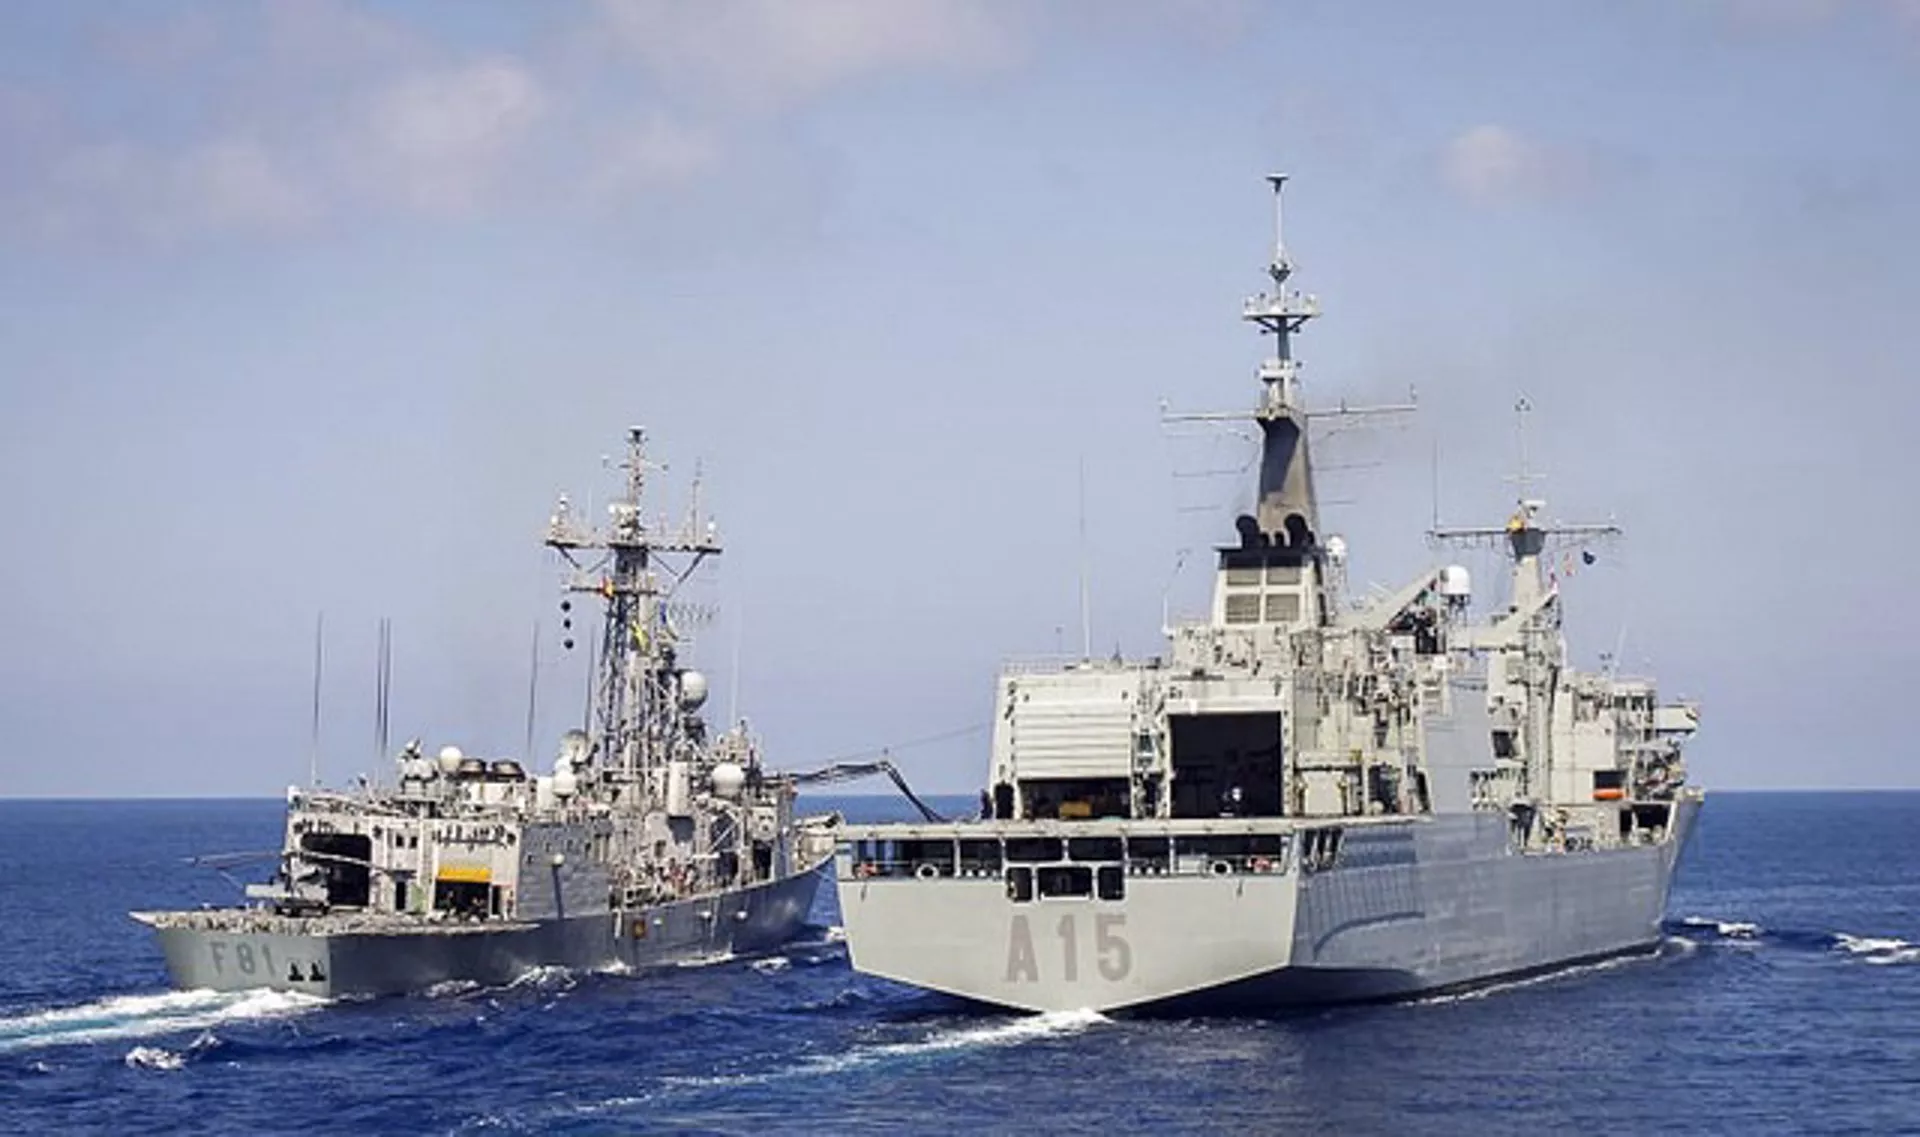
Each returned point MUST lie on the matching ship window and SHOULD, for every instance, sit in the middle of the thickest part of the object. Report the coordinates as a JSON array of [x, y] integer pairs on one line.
[[1243, 574], [1283, 607], [1283, 574], [1229, 847], [1243, 608], [1093, 848], [1066, 880], [1503, 744], [1031, 849], [1020, 884], [938, 854], [980, 856], [1151, 852], [1267, 845], [1110, 882]]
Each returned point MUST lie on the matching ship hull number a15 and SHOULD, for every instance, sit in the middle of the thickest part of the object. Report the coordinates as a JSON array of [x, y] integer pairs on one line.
[[1071, 950]]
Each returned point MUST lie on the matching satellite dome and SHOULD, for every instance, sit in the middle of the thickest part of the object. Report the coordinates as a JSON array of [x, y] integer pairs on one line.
[[693, 690], [727, 779], [1456, 583], [450, 757]]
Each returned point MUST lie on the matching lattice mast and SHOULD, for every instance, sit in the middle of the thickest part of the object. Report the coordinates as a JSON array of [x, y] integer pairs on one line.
[[639, 724]]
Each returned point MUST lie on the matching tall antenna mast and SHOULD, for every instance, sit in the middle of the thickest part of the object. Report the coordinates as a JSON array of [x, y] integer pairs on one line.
[[1524, 476], [733, 683], [1086, 620], [1436, 481], [533, 688], [313, 747], [383, 688]]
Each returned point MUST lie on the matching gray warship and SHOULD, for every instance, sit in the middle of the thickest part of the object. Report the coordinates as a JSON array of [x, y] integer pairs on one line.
[[651, 842], [1311, 797]]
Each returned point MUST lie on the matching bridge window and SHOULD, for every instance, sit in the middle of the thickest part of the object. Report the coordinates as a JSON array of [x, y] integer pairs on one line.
[[1110, 883], [1283, 607]]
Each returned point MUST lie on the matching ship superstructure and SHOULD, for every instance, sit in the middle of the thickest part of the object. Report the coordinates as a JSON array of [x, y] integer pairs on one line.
[[1310, 797], [652, 840]]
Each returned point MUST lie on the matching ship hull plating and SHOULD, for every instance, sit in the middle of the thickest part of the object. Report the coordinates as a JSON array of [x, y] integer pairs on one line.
[[233, 950], [1413, 908]]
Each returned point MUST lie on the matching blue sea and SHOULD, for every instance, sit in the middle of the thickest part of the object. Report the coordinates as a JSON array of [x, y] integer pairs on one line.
[[1786, 999]]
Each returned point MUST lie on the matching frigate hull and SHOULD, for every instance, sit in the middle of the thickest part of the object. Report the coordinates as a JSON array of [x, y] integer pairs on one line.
[[328, 956], [1412, 906]]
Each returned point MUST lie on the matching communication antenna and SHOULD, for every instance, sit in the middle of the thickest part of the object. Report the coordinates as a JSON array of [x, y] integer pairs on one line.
[[533, 688], [1524, 476], [1166, 594], [313, 747], [1086, 623], [733, 683], [1436, 481], [586, 711], [383, 688]]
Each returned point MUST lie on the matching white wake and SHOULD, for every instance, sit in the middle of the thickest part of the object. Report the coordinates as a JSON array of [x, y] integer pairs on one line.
[[1012, 1032], [1877, 949], [144, 1016]]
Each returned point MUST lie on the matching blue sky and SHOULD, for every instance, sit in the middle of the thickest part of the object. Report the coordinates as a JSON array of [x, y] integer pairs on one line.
[[311, 305]]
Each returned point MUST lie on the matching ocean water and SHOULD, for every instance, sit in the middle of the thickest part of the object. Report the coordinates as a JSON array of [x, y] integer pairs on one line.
[[1786, 999]]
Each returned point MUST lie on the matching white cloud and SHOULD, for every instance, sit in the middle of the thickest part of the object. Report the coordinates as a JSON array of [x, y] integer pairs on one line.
[[438, 140], [770, 53], [1491, 164], [652, 152], [234, 184], [296, 113]]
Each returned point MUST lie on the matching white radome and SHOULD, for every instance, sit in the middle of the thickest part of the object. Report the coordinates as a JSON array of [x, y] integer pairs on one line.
[[728, 780], [1456, 583], [450, 758], [693, 690]]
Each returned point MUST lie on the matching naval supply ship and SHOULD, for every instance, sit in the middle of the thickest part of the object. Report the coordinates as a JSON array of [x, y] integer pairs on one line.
[[651, 841], [1311, 797]]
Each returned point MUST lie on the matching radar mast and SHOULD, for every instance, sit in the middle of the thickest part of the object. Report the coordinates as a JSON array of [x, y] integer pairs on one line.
[[639, 721]]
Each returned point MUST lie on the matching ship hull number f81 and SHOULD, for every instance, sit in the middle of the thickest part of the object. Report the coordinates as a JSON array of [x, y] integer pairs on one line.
[[1071, 952]]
